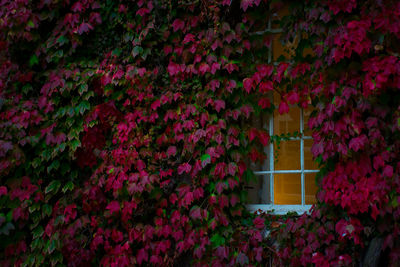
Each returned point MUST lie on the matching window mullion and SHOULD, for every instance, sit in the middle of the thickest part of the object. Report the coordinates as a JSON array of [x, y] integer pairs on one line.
[[303, 197], [271, 159]]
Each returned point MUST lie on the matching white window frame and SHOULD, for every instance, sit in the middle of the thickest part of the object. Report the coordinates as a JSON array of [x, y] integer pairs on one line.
[[269, 150]]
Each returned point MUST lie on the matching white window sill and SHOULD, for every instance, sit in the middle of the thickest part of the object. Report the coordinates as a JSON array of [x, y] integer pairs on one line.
[[279, 209]]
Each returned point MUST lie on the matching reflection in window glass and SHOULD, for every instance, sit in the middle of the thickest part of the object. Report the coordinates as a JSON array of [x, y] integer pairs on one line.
[[309, 163], [259, 190], [310, 188]]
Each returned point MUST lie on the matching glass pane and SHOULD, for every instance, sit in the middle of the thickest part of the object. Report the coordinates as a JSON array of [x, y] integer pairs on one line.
[[260, 121], [286, 123], [278, 49], [287, 155], [306, 117], [309, 163], [310, 188], [279, 10], [258, 191], [287, 188]]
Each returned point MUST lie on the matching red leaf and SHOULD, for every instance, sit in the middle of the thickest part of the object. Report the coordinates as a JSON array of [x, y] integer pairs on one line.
[[220, 186], [248, 84], [248, 3], [259, 222], [3, 191], [252, 133], [203, 68], [293, 98], [113, 206], [77, 7], [388, 171], [263, 137], [156, 104], [178, 25], [265, 70], [283, 107], [141, 256], [264, 102], [266, 87]]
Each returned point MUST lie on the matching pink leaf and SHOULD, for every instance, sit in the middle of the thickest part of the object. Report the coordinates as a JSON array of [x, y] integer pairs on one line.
[[214, 67], [388, 171], [219, 104], [248, 84], [185, 167], [171, 151], [203, 68], [141, 256], [195, 213], [84, 27]]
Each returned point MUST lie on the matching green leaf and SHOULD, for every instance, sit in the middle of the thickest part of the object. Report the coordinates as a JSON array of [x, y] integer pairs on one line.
[[83, 88], [53, 187], [75, 144], [54, 165], [37, 232], [116, 52], [5, 229], [62, 40], [33, 207], [205, 159], [136, 51], [217, 240], [33, 60], [31, 24], [36, 162], [47, 209], [52, 246], [69, 186]]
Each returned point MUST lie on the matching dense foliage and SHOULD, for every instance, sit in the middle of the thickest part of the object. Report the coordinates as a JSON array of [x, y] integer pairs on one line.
[[124, 130]]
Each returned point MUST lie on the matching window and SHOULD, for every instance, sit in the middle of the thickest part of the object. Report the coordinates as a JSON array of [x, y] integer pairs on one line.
[[286, 180]]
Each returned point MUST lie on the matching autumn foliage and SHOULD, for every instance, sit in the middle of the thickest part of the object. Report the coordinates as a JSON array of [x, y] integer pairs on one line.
[[125, 137]]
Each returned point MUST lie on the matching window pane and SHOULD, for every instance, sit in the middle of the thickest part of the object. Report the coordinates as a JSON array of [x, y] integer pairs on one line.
[[286, 123], [310, 188], [258, 191], [287, 188], [287, 156], [306, 116], [261, 121], [309, 163]]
